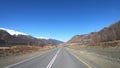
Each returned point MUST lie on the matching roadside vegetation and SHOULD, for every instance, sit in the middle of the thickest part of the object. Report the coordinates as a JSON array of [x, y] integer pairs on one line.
[[101, 57], [14, 54]]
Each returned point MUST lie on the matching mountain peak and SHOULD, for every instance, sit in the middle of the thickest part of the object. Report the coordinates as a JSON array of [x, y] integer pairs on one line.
[[13, 32]]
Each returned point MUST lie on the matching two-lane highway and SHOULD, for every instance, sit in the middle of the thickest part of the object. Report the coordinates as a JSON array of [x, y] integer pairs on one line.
[[57, 58]]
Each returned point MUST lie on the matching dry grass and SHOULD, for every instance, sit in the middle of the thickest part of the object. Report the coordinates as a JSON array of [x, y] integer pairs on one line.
[[113, 52], [15, 50], [18, 53], [102, 57]]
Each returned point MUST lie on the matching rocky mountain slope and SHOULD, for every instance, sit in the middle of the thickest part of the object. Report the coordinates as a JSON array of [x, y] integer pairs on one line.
[[107, 34]]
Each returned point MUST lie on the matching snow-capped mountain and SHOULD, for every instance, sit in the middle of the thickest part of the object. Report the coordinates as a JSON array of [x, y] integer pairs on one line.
[[11, 37], [13, 32]]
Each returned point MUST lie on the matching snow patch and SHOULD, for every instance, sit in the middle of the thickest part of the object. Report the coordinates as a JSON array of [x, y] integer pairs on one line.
[[13, 32], [43, 38]]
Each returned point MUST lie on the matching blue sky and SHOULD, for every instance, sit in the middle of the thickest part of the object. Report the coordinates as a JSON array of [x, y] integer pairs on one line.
[[58, 19]]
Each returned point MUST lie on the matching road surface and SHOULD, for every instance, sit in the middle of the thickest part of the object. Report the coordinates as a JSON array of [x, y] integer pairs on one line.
[[57, 58]]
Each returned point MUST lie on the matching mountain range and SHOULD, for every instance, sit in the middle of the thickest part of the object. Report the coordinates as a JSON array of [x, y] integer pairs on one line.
[[11, 37]]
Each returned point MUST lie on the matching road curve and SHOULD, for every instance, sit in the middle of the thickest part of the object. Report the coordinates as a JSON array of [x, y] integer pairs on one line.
[[57, 58]]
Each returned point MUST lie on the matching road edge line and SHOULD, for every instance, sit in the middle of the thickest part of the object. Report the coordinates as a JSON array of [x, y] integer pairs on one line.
[[22, 61], [81, 60]]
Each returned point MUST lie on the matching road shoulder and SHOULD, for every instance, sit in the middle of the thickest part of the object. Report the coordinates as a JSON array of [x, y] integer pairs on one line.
[[9, 60], [93, 60]]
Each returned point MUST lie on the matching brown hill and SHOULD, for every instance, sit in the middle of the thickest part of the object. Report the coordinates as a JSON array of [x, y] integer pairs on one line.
[[107, 34], [81, 39]]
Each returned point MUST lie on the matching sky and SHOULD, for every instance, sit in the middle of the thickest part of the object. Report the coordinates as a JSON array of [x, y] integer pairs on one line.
[[58, 19]]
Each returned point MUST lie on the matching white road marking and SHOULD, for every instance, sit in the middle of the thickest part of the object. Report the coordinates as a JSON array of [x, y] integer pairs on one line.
[[53, 59], [48, 66]]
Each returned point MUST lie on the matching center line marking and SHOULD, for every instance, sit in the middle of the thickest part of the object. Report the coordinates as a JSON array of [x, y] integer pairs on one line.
[[53, 59]]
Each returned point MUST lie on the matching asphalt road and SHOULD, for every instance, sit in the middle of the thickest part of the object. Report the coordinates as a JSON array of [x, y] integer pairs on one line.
[[57, 58]]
